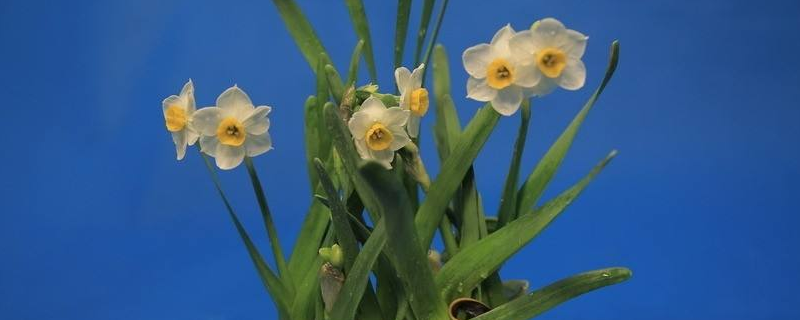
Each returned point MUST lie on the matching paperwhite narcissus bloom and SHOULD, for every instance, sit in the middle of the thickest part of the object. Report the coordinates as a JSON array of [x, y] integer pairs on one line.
[[178, 111], [378, 131], [497, 74], [233, 129], [556, 53], [413, 96]]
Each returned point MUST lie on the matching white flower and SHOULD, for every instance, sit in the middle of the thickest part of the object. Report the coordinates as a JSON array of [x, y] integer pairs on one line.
[[233, 129], [556, 53], [178, 111], [378, 131], [413, 96], [497, 74]]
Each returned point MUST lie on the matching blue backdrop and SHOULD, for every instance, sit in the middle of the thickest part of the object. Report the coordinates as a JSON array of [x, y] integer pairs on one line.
[[99, 221]]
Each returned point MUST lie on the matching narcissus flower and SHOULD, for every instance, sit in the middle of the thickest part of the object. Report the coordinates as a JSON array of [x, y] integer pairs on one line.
[[233, 129], [556, 53], [413, 96], [378, 131], [178, 111], [497, 74]]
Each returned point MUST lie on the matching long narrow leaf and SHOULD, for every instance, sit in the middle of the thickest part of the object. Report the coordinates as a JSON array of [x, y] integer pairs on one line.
[[474, 264], [452, 173], [360, 24], [401, 30], [447, 126], [352, 71], [313, 123], [403, 245], [508, 201], [544, 299], [533, 187], [434, 36], [427, 12], [271, 282], [308, 241], [301, 30]]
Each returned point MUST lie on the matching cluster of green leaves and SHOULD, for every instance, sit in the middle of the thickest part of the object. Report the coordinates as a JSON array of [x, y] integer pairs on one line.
[[389, 245]]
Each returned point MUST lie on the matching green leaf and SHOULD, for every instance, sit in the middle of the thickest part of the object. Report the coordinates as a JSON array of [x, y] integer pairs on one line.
[[509, 200], [447, 126], [356, 282], [473, 264], [352, 72], [544, 299], [334, 82], [301, 31], [269, 225], [271, 282], [308, 242], [312, 127], [401, 29], [433, 38], [307, 292], [534, 186], [402, 246], [427, 12], [452, 172], [360, 24]]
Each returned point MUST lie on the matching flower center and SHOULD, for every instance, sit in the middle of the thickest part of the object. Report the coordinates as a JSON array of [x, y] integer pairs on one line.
[[378, 137], [231, 132], [176, 118], [500, 73], [551, 61], [419, 101]]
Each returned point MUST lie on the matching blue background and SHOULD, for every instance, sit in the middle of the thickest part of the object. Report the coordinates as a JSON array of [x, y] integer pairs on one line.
[[99, 221]]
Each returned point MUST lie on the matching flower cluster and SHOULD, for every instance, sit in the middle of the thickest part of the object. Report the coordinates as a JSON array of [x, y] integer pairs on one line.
[[514, 66], [229, 131]]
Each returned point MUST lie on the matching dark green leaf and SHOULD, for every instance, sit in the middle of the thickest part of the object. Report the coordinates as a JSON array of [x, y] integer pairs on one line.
[[401, 29], [427, 12], [360, 24], [508, 201], [301, 30]]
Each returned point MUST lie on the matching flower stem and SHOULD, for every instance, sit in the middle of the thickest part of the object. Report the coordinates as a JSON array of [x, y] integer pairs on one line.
[[268, 223]]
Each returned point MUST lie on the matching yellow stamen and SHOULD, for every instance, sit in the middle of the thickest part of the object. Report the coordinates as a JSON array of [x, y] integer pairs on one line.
[[231, 132], [176, 118], [378, 137], [418, 102], [551, 61], [500, 74]]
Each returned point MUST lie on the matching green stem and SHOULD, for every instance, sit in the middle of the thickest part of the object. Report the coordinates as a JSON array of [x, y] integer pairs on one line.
[[268, 223]]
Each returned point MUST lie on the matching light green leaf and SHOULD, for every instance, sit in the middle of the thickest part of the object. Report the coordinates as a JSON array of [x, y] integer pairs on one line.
[[433, 38], [544, 299], [508, 201], [401, 29], [402, 246], [534, 186], [447, 126], [335, 83], [452, 173], [352, 72], [271, 282], [473, 264], [308, 242], [356, 282], [301, 30], [360, 24], [312, 126]]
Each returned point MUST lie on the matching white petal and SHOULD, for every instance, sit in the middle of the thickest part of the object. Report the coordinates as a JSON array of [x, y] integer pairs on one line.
[[179, 138], [385, 157], [373, 108], [206, 120], [574, 43], [573, 76], [416, 78], [401, 77], [476, 59], [359, 124], [191, 135], [257, 144], [413, 125], [527, 75], [508, 100], [235, 103], [187, 93], [361, 147], [522, 47], [500, 40], [399, 138], [547, 32], [394, 117], [545, 86], [257, 122], [478, 89], [208, 145], [172, 100], [229, 157]]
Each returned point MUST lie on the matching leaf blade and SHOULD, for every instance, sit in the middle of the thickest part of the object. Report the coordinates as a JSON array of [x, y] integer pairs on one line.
[[361, 26]]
